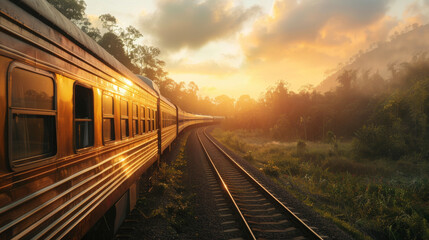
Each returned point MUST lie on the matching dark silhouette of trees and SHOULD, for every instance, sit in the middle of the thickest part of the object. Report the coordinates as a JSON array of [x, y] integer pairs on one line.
[[71, 9], [113, 44], [75, 11]]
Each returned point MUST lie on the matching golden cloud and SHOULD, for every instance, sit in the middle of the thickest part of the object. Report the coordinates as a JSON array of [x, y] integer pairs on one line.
[[191, 24], [321, 26]]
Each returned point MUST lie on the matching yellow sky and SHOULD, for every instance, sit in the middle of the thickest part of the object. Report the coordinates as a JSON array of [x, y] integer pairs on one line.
[[242, 47]]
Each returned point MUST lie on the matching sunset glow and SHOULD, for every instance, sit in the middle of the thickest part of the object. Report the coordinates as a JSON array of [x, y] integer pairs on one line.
[[243, 47]]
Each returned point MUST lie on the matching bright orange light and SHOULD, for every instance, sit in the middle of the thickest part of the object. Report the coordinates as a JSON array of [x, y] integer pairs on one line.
[[128, 82]]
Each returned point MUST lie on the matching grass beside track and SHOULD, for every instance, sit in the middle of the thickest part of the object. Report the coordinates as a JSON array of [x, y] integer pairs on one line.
[[168, 200], [381, 199]]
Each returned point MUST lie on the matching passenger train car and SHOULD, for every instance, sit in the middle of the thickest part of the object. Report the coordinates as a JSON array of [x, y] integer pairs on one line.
[[77, 128]]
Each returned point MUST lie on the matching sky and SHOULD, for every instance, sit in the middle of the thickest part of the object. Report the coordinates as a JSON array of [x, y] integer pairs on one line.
[[237, 47]]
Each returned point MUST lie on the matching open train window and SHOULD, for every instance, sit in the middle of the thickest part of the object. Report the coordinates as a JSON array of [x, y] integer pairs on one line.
[[108, 119], [135, 119], [142, 120], [124, 119], [32, 116], [83, 117]]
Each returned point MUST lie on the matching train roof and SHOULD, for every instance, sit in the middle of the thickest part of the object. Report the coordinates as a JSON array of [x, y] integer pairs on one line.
[[166, 100], [150, 83], [51, 16]]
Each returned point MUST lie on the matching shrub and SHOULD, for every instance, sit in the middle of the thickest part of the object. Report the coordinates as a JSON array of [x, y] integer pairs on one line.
[[271, 169], [332, 140], [377, 141], [291, 165], [301, 148], [371, 141]]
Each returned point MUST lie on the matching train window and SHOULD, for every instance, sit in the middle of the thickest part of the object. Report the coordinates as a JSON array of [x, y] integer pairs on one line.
[[148, 120], [108, 119], [32, 111], [163, 120], [84, 117], [153, 120], [135, 119], [142, 120], [124, 119]]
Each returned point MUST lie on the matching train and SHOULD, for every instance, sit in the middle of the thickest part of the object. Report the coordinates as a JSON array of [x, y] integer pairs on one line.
[[78, 129]]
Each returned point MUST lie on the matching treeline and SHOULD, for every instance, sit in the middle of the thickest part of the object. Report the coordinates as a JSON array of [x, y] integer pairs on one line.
[[386, 116], [124, 44]]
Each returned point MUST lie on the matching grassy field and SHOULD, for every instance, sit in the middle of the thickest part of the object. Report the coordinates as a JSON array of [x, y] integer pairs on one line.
[[379, 199]]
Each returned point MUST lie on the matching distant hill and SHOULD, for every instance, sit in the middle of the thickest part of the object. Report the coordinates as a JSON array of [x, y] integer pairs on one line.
[[400, 49]]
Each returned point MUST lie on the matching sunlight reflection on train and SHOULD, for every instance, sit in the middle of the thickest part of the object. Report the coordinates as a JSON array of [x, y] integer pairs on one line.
[[124, 165], [122, 91], [128, 82]]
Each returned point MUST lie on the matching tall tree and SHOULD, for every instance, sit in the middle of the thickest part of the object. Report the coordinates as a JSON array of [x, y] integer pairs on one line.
[[75, 11], [71, 9], [109, 22], [113, 44]]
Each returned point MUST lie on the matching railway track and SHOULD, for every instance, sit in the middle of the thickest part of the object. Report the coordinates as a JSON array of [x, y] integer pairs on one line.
[[259, 213]]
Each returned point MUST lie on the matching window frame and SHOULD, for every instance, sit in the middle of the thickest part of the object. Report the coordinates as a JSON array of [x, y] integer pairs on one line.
[[108, 116], [124, 117], [143, 119], [135, 117], [149, 127], [74, 116], [38, 160], [153, 120]]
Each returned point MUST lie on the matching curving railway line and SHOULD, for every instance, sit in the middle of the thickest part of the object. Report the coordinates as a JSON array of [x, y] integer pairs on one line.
[[258, 212]]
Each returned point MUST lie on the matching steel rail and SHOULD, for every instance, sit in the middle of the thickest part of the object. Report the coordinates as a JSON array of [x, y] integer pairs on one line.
[[295, 218], [225, 187]]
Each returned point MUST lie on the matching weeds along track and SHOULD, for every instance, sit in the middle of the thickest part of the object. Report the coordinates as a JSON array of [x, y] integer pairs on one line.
[[259, 213]]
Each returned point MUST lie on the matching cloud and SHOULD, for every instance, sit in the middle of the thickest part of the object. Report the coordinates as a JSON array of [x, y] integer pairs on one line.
[[313, 24], [210, 68], [418, 11], [190, 24]]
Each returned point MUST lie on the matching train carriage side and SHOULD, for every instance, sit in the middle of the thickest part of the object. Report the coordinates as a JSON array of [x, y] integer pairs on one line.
[[168, 122], [77, 127], [181, 119], [188, 119]]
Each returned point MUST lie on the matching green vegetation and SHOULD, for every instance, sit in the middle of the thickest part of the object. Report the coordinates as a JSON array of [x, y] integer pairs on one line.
[[378, 198], [373, 184], [388, 117], [168, 197]]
